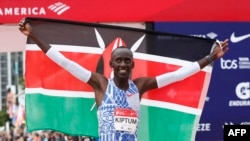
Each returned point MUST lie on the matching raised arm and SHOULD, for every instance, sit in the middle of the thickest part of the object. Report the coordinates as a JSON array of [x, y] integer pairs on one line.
[[26, 29], [97, 81], [219, 51], [144, 84], [53, 54], [186, 71]]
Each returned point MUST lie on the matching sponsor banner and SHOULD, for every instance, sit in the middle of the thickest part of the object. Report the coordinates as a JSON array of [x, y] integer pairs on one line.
[[11, 11], [57, 92], [228, 98]]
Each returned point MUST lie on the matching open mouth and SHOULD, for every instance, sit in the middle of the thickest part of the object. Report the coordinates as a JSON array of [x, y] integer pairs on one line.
[[123, 71]]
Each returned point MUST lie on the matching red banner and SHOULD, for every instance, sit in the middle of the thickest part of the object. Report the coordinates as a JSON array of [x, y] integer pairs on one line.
[[11, 11]]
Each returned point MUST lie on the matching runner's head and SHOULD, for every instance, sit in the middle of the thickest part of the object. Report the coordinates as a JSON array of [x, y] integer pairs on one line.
[[122, 62]]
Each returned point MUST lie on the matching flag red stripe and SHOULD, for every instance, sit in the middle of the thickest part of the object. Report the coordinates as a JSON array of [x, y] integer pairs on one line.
[[42, 72]]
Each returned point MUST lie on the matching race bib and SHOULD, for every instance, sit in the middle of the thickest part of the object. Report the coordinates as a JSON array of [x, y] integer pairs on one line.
[[125, 119]]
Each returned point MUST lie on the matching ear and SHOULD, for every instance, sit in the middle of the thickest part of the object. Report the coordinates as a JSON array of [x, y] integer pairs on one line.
[[133, 64], [110, 64]]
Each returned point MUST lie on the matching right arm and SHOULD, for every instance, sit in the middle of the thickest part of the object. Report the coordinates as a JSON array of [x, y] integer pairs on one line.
[[97, 81], [72, 67]]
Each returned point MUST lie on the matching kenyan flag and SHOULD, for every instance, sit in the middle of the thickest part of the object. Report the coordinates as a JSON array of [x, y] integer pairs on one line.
[[55, 100]]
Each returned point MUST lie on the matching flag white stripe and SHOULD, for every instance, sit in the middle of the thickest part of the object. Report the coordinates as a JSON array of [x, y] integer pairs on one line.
[[172, 106], [60, 93], [68, 48]]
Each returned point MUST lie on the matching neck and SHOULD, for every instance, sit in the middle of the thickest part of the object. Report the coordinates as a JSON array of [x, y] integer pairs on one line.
[[121, 83]]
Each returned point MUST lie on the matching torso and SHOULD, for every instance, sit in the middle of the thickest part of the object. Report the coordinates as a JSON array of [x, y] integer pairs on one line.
[[118, 114]]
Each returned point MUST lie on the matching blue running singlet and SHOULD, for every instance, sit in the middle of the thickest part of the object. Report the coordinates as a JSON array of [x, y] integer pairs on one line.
[[118, 114]]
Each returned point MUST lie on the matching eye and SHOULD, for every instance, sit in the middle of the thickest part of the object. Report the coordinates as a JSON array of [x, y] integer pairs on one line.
[[127, 61], [118, 60]]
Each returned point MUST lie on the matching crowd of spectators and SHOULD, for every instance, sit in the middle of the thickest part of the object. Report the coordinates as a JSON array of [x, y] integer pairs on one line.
[[20, 134], [15, 130]]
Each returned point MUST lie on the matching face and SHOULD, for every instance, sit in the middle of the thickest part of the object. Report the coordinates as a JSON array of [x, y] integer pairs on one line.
[[122, 62]]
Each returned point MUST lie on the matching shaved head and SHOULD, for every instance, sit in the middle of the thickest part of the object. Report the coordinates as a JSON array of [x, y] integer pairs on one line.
[[121, 49]]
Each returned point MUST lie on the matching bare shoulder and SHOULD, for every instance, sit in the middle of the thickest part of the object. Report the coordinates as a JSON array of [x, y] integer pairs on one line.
[[99, 84], [98, 81], [145, 83]]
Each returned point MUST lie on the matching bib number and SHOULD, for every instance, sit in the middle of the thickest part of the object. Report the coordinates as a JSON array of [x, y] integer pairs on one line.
[[125, 120]]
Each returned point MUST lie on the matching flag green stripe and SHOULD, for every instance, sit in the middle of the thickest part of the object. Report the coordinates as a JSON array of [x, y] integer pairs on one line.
[[158, 124], [46, 111]]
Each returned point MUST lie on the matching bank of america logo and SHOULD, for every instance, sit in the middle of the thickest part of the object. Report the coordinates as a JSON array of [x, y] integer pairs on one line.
[[59, 8]]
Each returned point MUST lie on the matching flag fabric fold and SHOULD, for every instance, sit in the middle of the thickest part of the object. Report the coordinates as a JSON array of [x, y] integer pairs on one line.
[[55, 100]]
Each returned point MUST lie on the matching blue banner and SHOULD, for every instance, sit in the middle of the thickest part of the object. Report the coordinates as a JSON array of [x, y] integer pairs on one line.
[[228, 99]]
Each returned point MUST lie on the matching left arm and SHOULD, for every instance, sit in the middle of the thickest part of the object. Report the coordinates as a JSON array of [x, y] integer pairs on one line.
[[146, 83], [218, 52]]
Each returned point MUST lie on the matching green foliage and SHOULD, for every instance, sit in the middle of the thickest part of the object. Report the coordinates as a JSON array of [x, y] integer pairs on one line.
[[21, 82], [3, 117]]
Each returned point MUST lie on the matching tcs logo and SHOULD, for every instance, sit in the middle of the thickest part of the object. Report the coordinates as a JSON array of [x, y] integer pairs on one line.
[[242, 90], [228, 64]]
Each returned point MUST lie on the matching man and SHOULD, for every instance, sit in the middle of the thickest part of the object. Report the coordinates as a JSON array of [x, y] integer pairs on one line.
[[118, 98], [11, 106]]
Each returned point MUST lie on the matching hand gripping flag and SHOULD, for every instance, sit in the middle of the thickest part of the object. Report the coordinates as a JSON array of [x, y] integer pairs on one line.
[[55, 100]]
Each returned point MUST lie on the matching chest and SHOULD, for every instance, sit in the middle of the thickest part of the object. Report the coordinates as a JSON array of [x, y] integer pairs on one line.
[[121, 98]]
